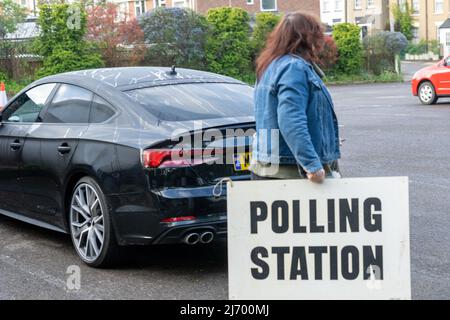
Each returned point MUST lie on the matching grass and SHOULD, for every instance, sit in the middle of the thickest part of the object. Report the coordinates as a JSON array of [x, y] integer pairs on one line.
[[385, 77]]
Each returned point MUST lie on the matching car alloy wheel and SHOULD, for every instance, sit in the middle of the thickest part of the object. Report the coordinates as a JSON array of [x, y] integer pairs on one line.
[[87, 222], [427, 93]]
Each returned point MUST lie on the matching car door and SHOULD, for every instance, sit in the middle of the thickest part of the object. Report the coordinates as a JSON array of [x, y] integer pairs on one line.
[[64, 120], [11, 139], [441, 78], [18, 116]]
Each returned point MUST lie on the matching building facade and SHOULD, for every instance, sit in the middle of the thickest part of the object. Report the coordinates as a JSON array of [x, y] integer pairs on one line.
[[428, 17], [29, 5], [255, 6], [133, 9], [370, 15], [431, 21], [333, 11]]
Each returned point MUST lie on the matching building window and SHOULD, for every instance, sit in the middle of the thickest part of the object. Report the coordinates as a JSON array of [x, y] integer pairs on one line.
[[370, 3], [358, 4], [402, 5], [415, 6], [415, 34], [338, 5], [179, 3], [160, 3], [438, 6], [326, 5], [447, 39], [139, 7], [268, 5], [121, 13]]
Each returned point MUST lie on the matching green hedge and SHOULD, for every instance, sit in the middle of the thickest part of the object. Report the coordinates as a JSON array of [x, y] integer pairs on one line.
[[61, 41], [228, 48], [348, 41], [265, 22]]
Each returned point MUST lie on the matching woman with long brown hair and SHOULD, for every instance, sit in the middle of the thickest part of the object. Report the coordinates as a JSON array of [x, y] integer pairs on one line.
[[297, 129]]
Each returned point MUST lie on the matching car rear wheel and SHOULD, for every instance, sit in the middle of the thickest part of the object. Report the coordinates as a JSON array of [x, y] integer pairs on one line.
[[427, 94], [90, 225]]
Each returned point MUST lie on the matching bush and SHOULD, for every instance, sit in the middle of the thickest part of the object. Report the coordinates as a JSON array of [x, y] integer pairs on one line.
[[329, 54], [228, 46], [417, 48], [380, 50], [265, 22], [64, 60], [11, 14], [61, 41], [121, 43], [347, 38], [13, 87], [176, 36], [403, 20], [364, 77], [434, 47]]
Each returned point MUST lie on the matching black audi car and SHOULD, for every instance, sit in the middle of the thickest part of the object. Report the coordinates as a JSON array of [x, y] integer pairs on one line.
[[91, 153]]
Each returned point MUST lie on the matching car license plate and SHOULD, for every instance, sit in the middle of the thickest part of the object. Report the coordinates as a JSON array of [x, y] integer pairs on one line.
[[242, 161]]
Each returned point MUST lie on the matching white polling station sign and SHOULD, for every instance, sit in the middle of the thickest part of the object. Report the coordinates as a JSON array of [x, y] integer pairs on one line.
[[343, 239]]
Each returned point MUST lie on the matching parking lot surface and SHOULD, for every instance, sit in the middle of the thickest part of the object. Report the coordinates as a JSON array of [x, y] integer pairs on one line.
[[387, 132]]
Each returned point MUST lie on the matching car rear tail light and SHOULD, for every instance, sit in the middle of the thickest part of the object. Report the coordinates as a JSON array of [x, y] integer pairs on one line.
[[173, 158], [178, 219]]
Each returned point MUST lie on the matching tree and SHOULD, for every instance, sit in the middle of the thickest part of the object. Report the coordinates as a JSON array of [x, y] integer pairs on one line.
[[264, 25], [61, 41], [348, 42], [11, 15], [120, 42], [329, 54], [228, 47], [403, 19], [175, 36], [381, 49]]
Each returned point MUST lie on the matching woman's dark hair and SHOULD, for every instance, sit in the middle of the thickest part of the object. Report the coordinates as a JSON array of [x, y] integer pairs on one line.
[[297, 33]]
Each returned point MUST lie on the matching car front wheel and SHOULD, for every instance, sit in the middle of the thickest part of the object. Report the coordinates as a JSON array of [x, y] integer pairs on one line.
[[427, 93], [90, 225]]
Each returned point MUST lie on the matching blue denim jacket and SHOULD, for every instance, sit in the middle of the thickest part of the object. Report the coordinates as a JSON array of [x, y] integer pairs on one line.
[[292, 99]]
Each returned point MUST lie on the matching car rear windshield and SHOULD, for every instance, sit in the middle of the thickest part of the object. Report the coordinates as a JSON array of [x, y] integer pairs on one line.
[[183, 102]]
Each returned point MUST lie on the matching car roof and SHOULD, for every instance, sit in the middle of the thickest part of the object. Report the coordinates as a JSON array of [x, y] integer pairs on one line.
[[129, 78]]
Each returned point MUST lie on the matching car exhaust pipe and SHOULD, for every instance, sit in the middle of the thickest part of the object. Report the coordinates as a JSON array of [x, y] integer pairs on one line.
[[207, 237], [191, 238]]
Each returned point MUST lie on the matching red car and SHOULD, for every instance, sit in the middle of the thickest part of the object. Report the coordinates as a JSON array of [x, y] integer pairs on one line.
[[432, 82]]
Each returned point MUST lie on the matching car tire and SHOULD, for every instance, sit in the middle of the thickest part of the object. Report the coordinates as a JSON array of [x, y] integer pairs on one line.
[[427, 93], [91, 227]]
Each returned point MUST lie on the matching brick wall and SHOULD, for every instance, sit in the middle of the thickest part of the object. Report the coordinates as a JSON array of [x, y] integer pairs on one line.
[[310, 6]]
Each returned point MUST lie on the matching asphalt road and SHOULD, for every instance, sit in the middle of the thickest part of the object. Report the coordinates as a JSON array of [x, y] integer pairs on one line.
[[388, 134]]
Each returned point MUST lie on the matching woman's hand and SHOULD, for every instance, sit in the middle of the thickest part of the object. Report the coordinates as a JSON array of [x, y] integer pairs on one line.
[[317, 177]]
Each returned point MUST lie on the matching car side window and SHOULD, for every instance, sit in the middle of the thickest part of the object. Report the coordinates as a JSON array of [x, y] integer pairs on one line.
[[101, 110], [27, 106], [71, 104]]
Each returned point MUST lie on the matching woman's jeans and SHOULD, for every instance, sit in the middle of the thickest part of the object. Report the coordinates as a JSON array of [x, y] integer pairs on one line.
[[332, 171]]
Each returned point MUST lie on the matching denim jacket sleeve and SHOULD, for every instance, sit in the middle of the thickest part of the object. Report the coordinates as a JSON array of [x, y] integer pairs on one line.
[[293, 96]]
